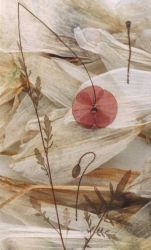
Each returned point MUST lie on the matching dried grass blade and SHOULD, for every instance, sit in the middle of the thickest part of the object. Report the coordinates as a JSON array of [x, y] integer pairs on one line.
[[123, 182]]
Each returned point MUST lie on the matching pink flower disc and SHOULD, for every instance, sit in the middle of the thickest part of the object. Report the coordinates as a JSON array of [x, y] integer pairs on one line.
[[98, 116]]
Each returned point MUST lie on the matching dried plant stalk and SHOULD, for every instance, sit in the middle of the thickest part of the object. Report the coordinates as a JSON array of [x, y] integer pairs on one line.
[[35, 97]]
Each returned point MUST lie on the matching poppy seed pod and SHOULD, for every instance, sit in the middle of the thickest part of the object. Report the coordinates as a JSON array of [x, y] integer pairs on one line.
[[76, 171]]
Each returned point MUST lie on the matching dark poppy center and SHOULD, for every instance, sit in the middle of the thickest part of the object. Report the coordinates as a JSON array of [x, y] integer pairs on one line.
[[94, 109]]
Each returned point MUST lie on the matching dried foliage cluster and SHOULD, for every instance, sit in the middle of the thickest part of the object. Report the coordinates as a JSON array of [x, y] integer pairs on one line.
[[46, 138], [116, 196], [100, 206]]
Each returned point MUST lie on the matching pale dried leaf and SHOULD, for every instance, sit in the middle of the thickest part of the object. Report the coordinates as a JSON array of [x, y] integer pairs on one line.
[[104, 44]]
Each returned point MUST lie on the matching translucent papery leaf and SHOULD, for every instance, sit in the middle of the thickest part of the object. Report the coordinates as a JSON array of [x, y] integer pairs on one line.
[[25, 227], [133, 104], [20, 212], [6, 171], [80, 225], [97, 67], [10, 83], [135, 11], [144, 181], [108, 175], [143, 40], [21, 242], [136, 231], [138, 152], [134, 101], [46, 238], [77, 72], [32, 125], [60, 90], [20, 220], [35, 37], [123, 38], [58, 87], [5, 114], [17, 124], [57, 16], [113, 53], [146, 132], [71, 141], [57, 84], [19, 223], [65, 194], [135, 161], [139, 225]]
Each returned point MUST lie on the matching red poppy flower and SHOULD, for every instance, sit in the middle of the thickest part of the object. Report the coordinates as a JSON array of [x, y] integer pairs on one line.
[[99, 115]]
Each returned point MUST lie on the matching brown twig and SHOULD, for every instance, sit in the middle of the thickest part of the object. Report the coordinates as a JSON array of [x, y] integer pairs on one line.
[[40, 128], [128, 26]]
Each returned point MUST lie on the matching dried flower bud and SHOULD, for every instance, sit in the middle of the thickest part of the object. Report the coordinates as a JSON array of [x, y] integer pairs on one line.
[[76, 171], [128, 24]]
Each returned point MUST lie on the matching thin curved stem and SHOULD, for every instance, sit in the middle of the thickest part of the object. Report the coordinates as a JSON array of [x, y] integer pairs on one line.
[[67, 46], [80, 180], [40, 128], [128, 26]]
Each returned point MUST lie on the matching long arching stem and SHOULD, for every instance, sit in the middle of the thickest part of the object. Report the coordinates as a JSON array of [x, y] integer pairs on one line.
[[67, 46], [77, 195]]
